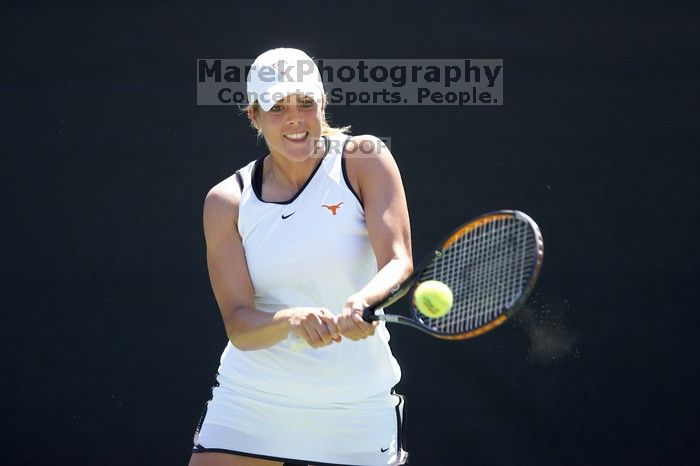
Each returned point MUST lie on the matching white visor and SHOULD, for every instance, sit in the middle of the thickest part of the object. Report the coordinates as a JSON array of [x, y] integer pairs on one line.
[[278, 73]]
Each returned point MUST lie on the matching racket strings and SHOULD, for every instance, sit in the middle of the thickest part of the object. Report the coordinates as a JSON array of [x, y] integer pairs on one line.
[[488, 269]]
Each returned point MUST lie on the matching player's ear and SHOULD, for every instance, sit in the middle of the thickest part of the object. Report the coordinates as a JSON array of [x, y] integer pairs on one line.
[[253, 117]]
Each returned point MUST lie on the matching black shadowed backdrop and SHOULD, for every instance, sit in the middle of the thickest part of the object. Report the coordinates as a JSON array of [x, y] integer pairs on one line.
[[111, 335]]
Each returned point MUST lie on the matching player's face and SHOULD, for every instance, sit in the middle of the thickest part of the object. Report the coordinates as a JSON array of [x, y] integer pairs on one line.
[[292, 127]]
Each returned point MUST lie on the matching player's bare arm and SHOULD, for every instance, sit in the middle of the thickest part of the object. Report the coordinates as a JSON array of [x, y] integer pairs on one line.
[[375, 176]]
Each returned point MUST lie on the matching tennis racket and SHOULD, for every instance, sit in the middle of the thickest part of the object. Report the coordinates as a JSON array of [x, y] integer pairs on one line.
[[490, 263]]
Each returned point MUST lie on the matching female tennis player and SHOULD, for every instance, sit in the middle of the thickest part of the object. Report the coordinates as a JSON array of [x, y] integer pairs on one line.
[[299, 242]]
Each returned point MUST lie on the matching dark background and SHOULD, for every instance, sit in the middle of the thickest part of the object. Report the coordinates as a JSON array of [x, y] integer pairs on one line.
[[111, 336]]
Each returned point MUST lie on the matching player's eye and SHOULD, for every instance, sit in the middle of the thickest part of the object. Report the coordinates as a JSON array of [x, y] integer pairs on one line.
[[277, 108], [306, 103]]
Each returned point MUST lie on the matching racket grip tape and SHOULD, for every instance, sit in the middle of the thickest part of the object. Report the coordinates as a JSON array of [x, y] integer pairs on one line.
[[368, 314]]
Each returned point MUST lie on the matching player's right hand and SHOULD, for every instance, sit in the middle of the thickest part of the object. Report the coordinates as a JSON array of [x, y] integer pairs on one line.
[[316, 325]]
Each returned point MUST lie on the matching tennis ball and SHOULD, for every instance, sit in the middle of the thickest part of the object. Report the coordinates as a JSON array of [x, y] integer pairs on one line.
[[433, 299]]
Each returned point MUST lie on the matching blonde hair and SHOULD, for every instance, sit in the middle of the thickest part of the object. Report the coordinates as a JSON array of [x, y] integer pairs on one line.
[[326, 128]]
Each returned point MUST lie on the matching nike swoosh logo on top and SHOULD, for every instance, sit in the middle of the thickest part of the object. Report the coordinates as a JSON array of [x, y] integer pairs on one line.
[[384, 449], [287, 216]]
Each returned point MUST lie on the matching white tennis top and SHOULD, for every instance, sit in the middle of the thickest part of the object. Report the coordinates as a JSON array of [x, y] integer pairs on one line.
[[312, 250]]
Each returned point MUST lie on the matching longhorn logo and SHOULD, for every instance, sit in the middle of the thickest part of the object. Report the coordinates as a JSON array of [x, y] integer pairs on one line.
[[333, 208]]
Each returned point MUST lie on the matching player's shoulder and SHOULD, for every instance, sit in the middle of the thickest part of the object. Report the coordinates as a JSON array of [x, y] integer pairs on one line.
[[226, 190], [367, 154], [224, 197], [365, 146], [369, 162]]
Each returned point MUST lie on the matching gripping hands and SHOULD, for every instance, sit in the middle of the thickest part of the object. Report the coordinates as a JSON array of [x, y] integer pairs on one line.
[[318, 327]]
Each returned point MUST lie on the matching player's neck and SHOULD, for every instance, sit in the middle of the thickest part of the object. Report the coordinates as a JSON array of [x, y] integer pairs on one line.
[[289, 174]]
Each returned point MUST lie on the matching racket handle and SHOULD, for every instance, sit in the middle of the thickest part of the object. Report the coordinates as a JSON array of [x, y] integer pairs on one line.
[[368, 314], [396, 293], [296, 343]]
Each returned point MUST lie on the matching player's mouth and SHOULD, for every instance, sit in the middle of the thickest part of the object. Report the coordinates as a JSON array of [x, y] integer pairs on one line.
[[297, 137]]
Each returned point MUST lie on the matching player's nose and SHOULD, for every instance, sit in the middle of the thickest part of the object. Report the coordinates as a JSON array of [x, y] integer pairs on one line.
[[294, 115]]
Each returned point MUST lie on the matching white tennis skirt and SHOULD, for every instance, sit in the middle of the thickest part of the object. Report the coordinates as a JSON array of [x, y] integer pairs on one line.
[[247, 422]]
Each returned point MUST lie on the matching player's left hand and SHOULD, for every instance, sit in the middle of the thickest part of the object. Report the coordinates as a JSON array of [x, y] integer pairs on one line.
[[350, 321]]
